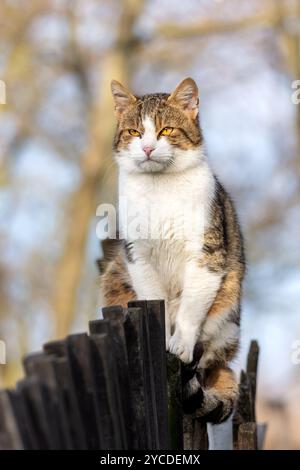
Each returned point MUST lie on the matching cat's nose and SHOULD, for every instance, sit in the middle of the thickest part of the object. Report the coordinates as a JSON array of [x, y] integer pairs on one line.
[[148, 150]]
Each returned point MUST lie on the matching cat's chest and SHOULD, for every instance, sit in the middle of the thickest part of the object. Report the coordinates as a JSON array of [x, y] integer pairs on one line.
[[166, 257], [164, 209]]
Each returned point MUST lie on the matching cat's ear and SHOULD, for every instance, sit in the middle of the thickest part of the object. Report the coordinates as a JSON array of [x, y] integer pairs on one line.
[[122, 97], [186, 97]]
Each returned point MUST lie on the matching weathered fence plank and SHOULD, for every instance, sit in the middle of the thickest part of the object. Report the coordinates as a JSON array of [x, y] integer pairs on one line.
[[116, 316], [200, 437], [110, 413], [79, 358], [66, 386], [252, 365], [175, 402], [195, 433], [148, 372], [10, 437], [134, 333], [43, 366], [247, 436], [36, 399], [156, 321], [23, 420], [108, 386], [244, 417]]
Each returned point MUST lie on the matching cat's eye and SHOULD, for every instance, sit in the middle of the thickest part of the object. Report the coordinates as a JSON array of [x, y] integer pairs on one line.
[[166, 131], [134, 133]]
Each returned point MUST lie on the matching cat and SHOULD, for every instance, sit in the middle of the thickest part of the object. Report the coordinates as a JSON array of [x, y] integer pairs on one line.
[[160, 153]]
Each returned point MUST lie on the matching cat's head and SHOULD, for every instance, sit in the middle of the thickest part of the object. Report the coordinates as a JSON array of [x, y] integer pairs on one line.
[[158, 132]]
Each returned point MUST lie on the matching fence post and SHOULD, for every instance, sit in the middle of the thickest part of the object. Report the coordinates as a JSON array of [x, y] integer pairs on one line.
[[116, 316], [79, 357], [245, 410], [156, 320], [148, 367], [175, 402], [43, 366], [252, 365], [10, 438], [133, 327], [247, 436], [110, 412], [36, 399]]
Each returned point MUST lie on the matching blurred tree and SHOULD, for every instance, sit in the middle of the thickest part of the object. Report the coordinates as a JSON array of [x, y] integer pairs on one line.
[[16, 69], [94, 166]]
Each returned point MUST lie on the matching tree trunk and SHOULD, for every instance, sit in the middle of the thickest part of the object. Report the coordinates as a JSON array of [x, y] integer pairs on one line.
[[94, 166]]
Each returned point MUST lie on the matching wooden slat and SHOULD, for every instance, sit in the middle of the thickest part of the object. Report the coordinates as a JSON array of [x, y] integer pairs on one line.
[[200, 438], [113, 414], [36, 398], [194, 433], [116, 315], [245, 410], [252, 365], [99, 327], [148, 373], [110, 411], [188, 432], [156, 322], [67, 388], [24, 421], [175, 402], [57, 348], [10, 436], [247, 436], [79, 358], [43, 367], [133, 327]]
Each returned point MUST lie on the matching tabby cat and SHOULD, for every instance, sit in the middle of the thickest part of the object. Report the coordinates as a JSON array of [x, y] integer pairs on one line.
[[162, 164]]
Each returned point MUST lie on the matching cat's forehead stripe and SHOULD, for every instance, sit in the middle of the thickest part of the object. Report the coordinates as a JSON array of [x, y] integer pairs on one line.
[[149, 125]]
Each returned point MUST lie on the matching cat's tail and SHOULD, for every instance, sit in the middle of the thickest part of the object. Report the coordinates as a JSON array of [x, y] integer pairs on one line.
[[212, 394]]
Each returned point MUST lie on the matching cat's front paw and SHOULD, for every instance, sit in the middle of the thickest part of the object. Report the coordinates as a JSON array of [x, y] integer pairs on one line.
[[182, 346]]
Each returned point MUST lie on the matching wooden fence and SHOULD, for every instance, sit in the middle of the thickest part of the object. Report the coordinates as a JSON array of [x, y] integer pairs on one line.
[[114, 388]]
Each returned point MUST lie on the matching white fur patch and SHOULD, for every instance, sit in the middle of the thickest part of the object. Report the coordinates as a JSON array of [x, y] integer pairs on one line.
[[149, 137]]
